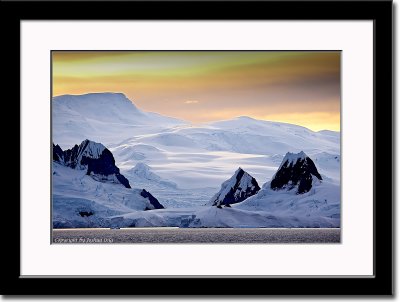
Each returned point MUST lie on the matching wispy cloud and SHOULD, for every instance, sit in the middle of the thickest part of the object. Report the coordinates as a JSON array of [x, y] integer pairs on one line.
[[191, 102]]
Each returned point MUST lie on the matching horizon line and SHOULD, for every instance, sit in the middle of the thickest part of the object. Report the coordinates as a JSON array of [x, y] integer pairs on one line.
[[196, 123]]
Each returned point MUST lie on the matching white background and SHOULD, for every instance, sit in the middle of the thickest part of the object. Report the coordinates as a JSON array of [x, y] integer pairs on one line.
[[352, 257], [397, 83]]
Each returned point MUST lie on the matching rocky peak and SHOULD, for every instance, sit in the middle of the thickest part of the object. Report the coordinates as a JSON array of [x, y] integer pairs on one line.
[[295, 172], [236, 189], [95, 158]]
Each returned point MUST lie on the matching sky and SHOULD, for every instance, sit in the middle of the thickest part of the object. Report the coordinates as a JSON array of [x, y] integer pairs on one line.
[[301, 88]]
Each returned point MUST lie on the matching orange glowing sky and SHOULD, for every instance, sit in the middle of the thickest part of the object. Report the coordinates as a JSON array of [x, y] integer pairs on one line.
[[301, 88]]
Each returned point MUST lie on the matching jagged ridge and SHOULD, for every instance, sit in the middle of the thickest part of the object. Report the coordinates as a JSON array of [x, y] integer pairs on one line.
[[94, 157], [236, 189], [296, 170]]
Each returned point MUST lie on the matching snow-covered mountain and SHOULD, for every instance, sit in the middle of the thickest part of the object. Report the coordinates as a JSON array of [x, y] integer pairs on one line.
[[81, 201], [241, 135], [180, 152], [185, 154], [320, 207], [298, 192], [88, 187], [141, 173], [93, 157], [298, 171], [106, 117], [184, 165], [236, 189]]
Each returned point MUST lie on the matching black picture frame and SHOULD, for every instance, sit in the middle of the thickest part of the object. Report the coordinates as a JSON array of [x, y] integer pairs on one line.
[[381, 283]]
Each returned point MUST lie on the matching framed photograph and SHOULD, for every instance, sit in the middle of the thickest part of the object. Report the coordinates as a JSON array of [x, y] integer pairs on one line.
[[143, 175], [201, 143]]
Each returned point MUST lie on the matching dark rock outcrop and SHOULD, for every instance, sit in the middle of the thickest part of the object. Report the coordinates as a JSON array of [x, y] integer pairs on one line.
[[85, 213], [295, 171], [94, 157], [236, 189], [104, 165], [58, 154], [153, 201]]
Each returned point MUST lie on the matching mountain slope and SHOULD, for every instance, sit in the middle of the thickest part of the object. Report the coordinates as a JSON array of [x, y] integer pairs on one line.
[[107, 117], [241, 135], [321, 202], [93, 157], [88, 188], [81, 201], [236, 189], [187, 154], [296, 171], [297, 192], [142, 173], [193, 159]]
